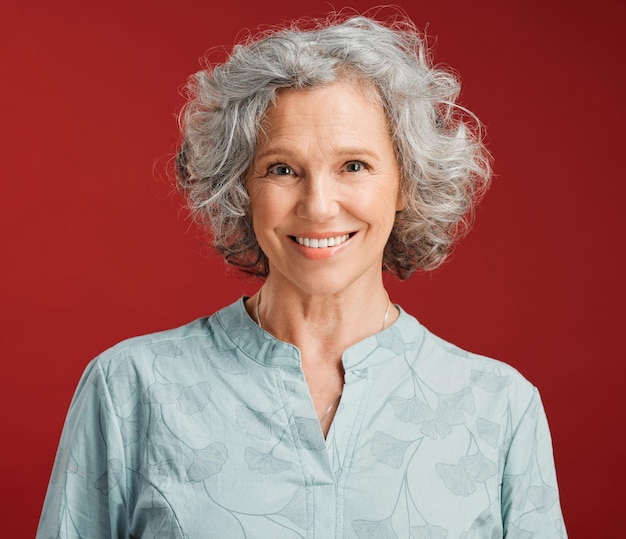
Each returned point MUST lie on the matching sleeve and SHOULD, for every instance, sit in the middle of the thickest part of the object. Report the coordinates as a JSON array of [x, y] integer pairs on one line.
[[530, 497], [86, 493]]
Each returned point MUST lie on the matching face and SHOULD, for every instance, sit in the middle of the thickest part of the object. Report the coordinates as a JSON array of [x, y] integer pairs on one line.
[[324, 189]]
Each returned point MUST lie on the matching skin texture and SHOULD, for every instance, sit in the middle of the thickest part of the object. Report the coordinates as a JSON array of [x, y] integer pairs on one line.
[[325, 167]]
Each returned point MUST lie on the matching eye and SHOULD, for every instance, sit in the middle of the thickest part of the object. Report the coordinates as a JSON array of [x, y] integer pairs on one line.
[[355, 166], [280, 170]]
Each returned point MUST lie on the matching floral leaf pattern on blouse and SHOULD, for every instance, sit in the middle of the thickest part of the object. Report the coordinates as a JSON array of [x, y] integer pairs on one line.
[[374, 529], [125, 379], [456, 479], [389, 450], [391, 341], [229, 364], [412, 410], [110, 478], [194, 399], [437, 423], [488, 430], [452, 408], [165, 348], [479, 467], [490, 381], [297, 510], [207, 462], [309, 433], [266, 463]]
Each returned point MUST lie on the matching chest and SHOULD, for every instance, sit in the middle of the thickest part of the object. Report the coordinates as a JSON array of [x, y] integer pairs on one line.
[[243, 455]]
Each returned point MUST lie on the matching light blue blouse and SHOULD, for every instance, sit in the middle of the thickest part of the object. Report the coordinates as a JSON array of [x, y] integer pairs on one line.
[[209, 431]]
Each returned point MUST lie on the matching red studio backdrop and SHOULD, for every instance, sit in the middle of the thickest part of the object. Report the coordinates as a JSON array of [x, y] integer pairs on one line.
[[96, 247]]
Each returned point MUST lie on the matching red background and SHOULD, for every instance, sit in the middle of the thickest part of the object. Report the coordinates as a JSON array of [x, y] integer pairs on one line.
[[95, 249]]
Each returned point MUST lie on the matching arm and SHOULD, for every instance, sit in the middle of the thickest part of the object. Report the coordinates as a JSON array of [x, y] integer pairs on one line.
[[530, 497], [86, 494]]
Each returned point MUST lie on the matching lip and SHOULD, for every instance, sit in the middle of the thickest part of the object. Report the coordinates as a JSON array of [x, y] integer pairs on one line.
[[315, 253]]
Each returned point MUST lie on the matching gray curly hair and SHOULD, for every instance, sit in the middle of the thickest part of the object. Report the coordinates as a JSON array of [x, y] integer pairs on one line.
[[444, 166]]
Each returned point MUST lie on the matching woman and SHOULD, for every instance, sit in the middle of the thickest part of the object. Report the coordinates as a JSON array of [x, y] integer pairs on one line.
[[315, 408]]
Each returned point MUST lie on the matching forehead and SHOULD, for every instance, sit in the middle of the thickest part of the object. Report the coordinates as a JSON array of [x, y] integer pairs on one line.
[[341, 106]]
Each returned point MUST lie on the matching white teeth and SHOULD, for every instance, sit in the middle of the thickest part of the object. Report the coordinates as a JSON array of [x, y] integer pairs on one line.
[[323, 242]]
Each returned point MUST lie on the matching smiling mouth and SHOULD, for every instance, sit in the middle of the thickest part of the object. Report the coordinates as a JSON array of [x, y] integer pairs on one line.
[[322, 243]]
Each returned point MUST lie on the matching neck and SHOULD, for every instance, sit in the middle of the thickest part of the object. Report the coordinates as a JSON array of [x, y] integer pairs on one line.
[[322, 326]]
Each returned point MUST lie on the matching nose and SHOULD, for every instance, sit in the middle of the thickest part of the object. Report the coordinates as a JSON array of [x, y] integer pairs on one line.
[[319, 198]]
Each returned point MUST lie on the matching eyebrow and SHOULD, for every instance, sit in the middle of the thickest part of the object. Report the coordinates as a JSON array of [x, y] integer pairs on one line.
[[345, 152]]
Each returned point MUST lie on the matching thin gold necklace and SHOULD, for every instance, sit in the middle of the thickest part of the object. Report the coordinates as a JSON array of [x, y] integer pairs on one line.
[[332, 405]]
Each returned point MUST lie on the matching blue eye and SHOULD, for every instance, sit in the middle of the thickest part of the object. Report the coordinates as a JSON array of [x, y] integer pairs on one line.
[[355, 166], [281, 170]]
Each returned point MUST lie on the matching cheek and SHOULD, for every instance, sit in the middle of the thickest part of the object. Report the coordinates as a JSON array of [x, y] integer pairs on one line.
[[265, 208], [384, 201], [250, 198], [393, 204], [256, 201]]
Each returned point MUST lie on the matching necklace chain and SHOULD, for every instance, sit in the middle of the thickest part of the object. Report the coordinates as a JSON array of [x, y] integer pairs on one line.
[[332, 405]]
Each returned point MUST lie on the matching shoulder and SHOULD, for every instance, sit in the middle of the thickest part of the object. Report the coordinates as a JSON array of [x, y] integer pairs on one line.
[[170, 359], [486, 372], [171, 343], [492, 382]]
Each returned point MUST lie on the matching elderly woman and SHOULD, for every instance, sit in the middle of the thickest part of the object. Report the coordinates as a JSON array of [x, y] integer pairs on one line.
[[315, 408]]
